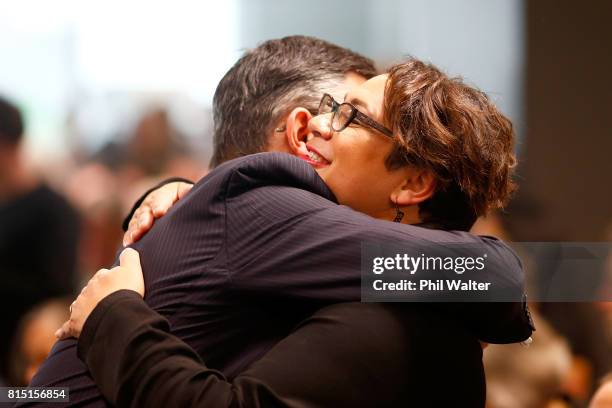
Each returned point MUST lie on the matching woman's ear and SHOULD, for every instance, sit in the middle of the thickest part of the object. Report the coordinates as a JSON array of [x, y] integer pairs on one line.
[[297, 130], [418, 186]]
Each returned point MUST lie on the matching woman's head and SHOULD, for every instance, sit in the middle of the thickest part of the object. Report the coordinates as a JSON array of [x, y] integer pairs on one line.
[[450, 158]]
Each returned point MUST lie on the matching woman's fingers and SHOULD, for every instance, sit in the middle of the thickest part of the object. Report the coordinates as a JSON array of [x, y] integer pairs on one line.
[[71, 327], [129, 258], [129, 262], [155, 205], [62, 332], [164, 198], [183, 189], [140, 224], [128, 275]]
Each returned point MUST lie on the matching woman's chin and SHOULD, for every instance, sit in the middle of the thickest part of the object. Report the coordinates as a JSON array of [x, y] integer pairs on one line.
[[321, 171]]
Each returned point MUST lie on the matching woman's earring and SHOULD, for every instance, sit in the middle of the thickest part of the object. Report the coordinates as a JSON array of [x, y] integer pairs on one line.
[[399, 214]]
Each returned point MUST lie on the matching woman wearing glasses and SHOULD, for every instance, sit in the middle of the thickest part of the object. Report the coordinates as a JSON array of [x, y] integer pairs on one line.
[[411, 146]]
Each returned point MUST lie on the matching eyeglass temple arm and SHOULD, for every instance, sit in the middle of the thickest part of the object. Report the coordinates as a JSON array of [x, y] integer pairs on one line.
[[371, 122]]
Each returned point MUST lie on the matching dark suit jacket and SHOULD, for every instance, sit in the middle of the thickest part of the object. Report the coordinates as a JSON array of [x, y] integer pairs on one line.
[[39, 235], [345, 355], [258, 245]]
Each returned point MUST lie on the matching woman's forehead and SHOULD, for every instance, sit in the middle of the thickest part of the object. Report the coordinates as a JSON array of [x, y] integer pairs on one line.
[[369, 95]]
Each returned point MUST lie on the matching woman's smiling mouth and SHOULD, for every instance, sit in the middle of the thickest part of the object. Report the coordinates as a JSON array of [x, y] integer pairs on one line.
[[315, 158]]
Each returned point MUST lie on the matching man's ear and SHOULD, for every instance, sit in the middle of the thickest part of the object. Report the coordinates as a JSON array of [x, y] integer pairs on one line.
[[297, 130], [418, 186]]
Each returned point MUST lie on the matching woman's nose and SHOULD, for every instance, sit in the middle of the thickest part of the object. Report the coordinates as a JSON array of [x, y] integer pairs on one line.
[[320, 126]]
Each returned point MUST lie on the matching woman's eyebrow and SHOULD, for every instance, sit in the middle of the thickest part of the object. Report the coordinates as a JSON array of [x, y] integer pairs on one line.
[[361, 104], [358, 103]]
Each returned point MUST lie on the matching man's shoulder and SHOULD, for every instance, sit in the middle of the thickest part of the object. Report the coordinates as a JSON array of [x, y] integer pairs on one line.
[[267, 169]]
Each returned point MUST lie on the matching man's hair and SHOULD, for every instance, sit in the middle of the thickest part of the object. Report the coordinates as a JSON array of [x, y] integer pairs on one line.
[[11, 123], [270, 81], [454, 130]]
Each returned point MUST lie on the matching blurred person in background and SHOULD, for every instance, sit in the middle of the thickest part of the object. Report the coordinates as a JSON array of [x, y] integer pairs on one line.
[[578, 325], [606, 307], [154, 144], [93, 189], [34, 339], [38, 234], [603, 396], [154, 148], [103, 185], [582, 323], [529, 377]]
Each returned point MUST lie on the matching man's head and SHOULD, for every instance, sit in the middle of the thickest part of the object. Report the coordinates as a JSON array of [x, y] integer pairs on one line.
[[267, 83], [11, 124]]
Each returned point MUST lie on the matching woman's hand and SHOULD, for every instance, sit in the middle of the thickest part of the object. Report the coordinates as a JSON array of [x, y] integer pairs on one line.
[[155, 205], [128, 275]]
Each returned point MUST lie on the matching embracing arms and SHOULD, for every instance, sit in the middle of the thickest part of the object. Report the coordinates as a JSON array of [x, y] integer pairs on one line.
[[287, 243], [394, 356]]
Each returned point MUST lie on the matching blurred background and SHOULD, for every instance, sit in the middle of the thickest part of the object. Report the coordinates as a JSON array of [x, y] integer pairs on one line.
[[116, 95]]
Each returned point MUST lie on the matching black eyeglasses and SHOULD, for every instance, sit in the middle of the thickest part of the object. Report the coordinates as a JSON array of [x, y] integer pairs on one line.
[[345, 113]]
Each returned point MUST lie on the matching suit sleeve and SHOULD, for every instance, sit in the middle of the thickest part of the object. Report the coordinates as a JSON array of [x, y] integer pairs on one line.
[[309, 248], [394, 358], [136, 362]]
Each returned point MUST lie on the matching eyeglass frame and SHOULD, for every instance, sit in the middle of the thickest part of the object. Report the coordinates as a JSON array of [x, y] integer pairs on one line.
[[355, 114]]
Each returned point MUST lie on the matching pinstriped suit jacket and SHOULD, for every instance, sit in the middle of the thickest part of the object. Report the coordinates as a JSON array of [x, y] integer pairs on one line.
[[258, 245]]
